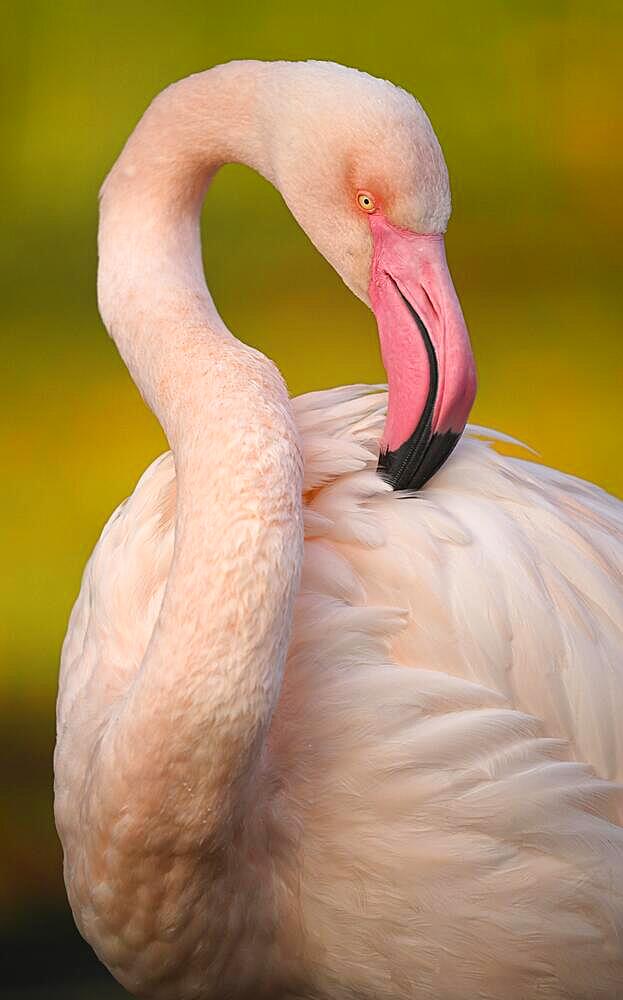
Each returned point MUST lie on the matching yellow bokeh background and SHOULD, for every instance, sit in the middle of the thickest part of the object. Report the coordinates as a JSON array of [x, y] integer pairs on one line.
[[525, 99]]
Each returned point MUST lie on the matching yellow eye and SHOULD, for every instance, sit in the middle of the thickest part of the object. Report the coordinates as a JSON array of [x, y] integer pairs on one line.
[[366, 201]]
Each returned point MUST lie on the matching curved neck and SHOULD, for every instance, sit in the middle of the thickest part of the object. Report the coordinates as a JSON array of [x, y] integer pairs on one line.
[[151, 288], [201, 702]]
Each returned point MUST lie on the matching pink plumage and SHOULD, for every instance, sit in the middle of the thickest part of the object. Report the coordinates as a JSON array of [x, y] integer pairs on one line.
[[318, 738]]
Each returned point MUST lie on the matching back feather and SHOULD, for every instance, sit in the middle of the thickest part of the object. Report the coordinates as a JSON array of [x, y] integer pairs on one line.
[[443, 751]]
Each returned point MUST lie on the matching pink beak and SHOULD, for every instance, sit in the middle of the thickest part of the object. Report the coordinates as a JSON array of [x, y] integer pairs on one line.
[[426, 352]]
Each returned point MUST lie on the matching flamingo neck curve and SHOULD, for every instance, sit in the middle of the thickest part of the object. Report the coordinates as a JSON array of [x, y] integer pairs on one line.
[[211, 674]]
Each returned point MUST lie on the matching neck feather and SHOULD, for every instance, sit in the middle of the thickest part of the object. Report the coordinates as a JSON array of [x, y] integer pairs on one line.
[[151, 288], [203, 697]]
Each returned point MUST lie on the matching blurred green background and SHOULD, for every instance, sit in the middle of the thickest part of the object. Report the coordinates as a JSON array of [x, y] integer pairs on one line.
[[524, 97]]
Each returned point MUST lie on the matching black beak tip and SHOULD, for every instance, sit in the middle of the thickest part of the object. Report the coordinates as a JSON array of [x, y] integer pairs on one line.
[[412, 465]]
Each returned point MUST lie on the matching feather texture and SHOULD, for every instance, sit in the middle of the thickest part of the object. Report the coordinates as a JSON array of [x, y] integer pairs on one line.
[[383, 760], [446, 742]]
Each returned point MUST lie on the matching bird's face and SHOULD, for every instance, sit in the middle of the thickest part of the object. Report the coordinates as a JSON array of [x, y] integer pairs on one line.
[[361, 169]]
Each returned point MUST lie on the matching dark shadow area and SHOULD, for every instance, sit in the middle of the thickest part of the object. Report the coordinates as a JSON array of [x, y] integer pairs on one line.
[[44, 956]]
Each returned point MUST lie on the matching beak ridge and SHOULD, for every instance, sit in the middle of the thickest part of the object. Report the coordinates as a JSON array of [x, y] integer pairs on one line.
[[426, 353], [423, 453]]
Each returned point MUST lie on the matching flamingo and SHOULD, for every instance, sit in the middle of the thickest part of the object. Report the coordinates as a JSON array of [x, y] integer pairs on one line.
[[340, 700]]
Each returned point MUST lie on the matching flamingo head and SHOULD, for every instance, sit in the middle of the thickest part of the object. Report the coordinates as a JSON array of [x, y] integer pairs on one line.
[[361, 169]]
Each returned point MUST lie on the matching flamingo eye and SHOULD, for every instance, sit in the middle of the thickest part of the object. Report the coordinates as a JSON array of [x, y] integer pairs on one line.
[[366, 201]]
